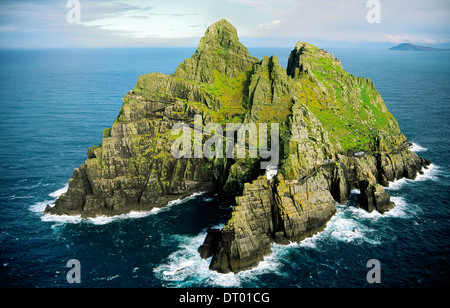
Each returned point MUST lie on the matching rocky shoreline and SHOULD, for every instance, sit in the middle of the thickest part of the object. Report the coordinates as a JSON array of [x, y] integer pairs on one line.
[[289, 211]]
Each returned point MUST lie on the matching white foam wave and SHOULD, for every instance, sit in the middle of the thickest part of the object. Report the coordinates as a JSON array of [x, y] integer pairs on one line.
[[14, 197], [270, 264], [99, 220], [417, 148], [360, 215], [59, 192], [62, 219], [400, 209], [40, 206], [350, 225], [397, 184], [355, 225], [103, 220], [309, 242], [428, 174], [185, 267], [349, 230]]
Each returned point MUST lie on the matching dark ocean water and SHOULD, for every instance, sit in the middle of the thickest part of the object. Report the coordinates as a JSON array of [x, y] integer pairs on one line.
[[54, 104]]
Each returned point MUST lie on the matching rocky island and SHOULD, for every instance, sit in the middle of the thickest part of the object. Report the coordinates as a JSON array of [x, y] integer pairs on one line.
[[336, 135]]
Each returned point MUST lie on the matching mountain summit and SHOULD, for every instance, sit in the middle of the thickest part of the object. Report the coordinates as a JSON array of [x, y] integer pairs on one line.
[[335, 135], [218, 50]]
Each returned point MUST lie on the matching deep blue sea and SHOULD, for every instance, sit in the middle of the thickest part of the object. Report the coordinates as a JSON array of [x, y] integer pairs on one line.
[[54, 104]]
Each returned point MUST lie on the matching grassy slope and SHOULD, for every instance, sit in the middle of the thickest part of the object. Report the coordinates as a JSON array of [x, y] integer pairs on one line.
[[349, 108]]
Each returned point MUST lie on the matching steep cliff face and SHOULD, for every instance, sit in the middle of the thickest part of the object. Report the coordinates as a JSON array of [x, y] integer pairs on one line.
[[335, 135], [285, 211]]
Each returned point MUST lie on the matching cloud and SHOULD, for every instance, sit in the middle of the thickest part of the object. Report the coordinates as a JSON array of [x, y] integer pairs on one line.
[[129, 21], [8, 28], [140, 21], [265, 3], [95, 10], [345, 20], [270, 24]]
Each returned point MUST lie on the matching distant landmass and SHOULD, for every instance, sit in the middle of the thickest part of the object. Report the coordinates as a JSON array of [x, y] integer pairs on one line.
[[412, 47]]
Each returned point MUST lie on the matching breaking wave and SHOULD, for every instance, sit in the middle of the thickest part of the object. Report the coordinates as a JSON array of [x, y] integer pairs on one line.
[[59, 192], [185, 267], [417, 148], [429, 173], [99, 220]]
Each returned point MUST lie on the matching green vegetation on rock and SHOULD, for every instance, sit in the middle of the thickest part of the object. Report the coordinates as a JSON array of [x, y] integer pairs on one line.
[[349, 108]]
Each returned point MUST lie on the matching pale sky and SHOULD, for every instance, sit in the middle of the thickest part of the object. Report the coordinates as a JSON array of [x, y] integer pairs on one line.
[[133, 23]]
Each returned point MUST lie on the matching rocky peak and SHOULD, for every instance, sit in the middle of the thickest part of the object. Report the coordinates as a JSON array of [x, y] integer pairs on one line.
[[221, 34], [306, 57], [219, 50]]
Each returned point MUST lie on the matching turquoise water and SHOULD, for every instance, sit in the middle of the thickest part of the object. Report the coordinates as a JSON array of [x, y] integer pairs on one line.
[[54, 104]]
